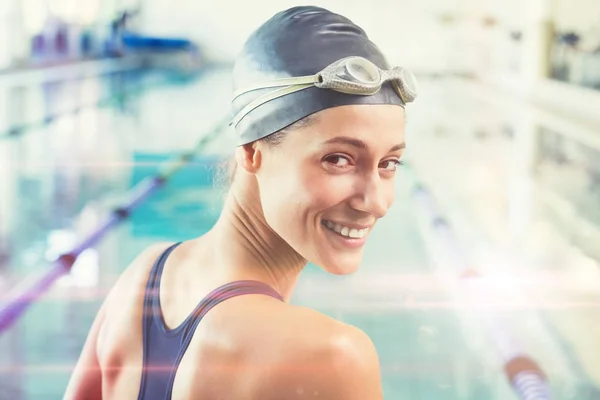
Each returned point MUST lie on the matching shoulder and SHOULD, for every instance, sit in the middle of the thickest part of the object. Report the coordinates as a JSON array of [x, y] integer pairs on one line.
[[139, 268], [131, 284], [136, 273], [325, 358], [126, 296], [147, 257]]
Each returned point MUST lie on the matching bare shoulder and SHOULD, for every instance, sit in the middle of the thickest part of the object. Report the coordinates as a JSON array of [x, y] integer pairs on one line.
[[137, 273], [125, 299], [325, 358], [111, 331]]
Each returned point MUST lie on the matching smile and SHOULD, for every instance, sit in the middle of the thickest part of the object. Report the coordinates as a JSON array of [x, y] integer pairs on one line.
[[345, 230]]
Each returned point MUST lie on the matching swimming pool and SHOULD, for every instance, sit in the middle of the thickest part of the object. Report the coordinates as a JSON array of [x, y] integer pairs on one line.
[[63, 178]]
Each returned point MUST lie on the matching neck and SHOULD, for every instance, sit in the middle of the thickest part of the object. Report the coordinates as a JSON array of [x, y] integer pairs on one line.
[[247, 248]]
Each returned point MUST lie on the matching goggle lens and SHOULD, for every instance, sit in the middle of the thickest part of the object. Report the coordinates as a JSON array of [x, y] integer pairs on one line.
[[363, 70]]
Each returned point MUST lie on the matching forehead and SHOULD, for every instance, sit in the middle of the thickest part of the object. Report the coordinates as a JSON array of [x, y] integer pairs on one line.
[[376, 125]]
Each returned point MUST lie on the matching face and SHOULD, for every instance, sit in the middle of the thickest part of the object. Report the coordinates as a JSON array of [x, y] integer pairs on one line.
[[324, 188]]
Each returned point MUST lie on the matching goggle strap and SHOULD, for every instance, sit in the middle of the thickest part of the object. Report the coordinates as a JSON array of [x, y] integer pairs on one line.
[[292, 81], [266, 98]]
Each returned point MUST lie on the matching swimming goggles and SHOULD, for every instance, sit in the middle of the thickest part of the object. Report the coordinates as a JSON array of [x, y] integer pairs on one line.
[[350, 75]]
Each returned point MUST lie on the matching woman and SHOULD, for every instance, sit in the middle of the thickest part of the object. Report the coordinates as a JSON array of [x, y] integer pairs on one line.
[[314, 171]]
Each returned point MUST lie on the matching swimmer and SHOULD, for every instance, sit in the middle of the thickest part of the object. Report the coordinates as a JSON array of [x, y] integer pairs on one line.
[[319, 116]]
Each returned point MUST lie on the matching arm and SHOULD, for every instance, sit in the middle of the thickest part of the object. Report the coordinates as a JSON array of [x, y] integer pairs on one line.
[[346, 369], [354, 369], [86, 379]]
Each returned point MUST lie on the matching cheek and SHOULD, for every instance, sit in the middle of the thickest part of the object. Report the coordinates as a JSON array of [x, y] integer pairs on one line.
[[390, 193], [293, 198], [325, 190], [284, 199]]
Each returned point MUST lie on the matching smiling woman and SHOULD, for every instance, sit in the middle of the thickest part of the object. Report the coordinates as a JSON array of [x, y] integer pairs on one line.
[[336, 172], [320, 123]]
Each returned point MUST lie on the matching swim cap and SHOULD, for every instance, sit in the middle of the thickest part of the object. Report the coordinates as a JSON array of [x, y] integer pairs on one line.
[[300, 41]]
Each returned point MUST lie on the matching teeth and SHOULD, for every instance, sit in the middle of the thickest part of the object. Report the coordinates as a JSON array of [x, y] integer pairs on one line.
[[346, 231]]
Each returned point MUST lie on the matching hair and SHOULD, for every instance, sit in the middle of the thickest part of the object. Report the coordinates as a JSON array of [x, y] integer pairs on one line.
[[225, 173]]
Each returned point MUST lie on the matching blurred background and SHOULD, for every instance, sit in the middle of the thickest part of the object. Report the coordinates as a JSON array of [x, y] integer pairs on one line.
[[483, 282]]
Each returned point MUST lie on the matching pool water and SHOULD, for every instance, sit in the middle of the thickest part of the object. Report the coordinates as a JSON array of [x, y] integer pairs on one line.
[[60, 180]]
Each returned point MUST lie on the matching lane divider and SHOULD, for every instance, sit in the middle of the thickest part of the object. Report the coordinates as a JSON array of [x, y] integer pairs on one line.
[[71, 71], [36, 287], [16, 130], [526, 377]]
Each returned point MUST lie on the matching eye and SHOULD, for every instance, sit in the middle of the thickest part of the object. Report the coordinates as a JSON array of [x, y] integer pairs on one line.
[[338, 160], [391, 165]]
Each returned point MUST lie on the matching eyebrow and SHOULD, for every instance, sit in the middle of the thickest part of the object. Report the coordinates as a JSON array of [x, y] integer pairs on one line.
[[359, 143]]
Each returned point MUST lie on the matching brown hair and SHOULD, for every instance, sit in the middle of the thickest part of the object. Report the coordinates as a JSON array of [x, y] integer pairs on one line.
[[225, 173]]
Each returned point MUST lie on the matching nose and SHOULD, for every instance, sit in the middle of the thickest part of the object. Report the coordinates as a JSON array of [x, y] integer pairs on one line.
[[373, 195]]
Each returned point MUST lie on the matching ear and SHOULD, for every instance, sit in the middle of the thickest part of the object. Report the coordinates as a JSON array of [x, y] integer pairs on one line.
[[249, 157]]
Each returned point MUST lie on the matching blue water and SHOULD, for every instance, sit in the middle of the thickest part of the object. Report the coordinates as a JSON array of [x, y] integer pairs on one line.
[[59, 181]]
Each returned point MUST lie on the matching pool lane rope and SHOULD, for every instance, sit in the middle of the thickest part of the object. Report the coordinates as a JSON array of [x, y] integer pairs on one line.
[[30, 292], [109, 100], [526, 377]]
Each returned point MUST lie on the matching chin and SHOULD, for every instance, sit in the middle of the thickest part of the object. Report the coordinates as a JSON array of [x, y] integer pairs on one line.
[[341, 268]]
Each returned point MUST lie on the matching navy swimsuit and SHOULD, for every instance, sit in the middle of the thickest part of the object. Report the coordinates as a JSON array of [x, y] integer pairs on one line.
[[164, 348]]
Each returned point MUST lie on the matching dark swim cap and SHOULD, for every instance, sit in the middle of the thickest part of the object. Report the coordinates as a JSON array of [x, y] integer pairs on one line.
[[297, 42]]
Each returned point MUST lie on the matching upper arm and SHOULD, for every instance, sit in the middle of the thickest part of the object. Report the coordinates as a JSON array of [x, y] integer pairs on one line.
[[86, 379], [355, 371], [347, 368]]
